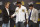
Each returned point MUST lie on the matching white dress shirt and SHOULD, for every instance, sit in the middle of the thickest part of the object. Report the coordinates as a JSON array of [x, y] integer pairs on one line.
[[20, 14]]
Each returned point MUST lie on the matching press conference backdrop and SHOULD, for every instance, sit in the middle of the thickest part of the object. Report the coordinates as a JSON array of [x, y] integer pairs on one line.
[[13, 6]]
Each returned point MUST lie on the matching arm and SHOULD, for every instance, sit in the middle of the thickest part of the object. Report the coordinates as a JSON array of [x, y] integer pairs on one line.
[[26, 14], [13, 15], [3, 12], [36, 15]]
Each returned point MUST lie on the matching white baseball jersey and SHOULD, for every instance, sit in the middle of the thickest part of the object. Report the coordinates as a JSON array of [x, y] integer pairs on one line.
[[20, 14]]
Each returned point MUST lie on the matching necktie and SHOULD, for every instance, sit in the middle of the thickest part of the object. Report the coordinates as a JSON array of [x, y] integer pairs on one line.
[[30, 15]]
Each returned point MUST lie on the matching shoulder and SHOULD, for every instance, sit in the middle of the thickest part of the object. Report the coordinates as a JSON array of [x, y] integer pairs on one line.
[[35, 10], [24, 7], [16, 8], [3, 9]]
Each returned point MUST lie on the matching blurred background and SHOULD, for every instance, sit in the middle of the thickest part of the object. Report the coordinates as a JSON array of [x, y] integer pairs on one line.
[[13, 6]]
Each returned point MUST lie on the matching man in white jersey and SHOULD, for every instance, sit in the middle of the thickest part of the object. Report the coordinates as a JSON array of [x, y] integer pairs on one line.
[[20, 12]]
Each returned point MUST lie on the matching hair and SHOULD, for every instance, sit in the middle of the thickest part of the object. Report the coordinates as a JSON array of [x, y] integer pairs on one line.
[[7, 3], [31, 5], [18, 3]]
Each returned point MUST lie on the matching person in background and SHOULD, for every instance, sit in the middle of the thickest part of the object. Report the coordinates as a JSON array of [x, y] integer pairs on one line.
[[33, 16], [20, 12], [6, 15]]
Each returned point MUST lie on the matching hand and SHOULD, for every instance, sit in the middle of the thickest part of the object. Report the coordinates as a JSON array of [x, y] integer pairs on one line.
[[11, 16], [27, 21]]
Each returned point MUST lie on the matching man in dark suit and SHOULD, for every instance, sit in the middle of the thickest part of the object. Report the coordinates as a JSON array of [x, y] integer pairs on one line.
[[6, 15]]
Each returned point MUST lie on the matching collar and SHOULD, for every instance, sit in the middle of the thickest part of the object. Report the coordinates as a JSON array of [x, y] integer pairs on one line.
[[30, 9], [21, 6], [6, 8]]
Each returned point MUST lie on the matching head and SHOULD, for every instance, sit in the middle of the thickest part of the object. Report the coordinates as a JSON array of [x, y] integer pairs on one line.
[[7, 4], [18, 4], [31, 6]]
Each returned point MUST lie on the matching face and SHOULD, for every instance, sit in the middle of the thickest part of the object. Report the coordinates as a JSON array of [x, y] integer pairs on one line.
[[18, 5], [7, 6], [30, 7]]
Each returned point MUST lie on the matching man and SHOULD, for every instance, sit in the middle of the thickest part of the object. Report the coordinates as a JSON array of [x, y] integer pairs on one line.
[[6, 15], [33, 16], [20, 12]]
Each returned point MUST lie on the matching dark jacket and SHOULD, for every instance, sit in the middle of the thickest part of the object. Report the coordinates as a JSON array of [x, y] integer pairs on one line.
[[6, 17]]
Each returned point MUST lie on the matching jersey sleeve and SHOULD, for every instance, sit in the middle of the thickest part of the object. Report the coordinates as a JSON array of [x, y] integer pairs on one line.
[[26, 13]]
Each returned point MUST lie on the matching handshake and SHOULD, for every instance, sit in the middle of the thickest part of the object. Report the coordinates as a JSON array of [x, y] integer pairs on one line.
[[11, 16]]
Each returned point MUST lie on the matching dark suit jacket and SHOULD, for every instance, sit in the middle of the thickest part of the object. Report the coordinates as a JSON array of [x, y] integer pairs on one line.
[[5, 16]]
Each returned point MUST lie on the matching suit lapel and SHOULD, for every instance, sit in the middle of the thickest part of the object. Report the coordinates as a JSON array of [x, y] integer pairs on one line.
[[6, 11]]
